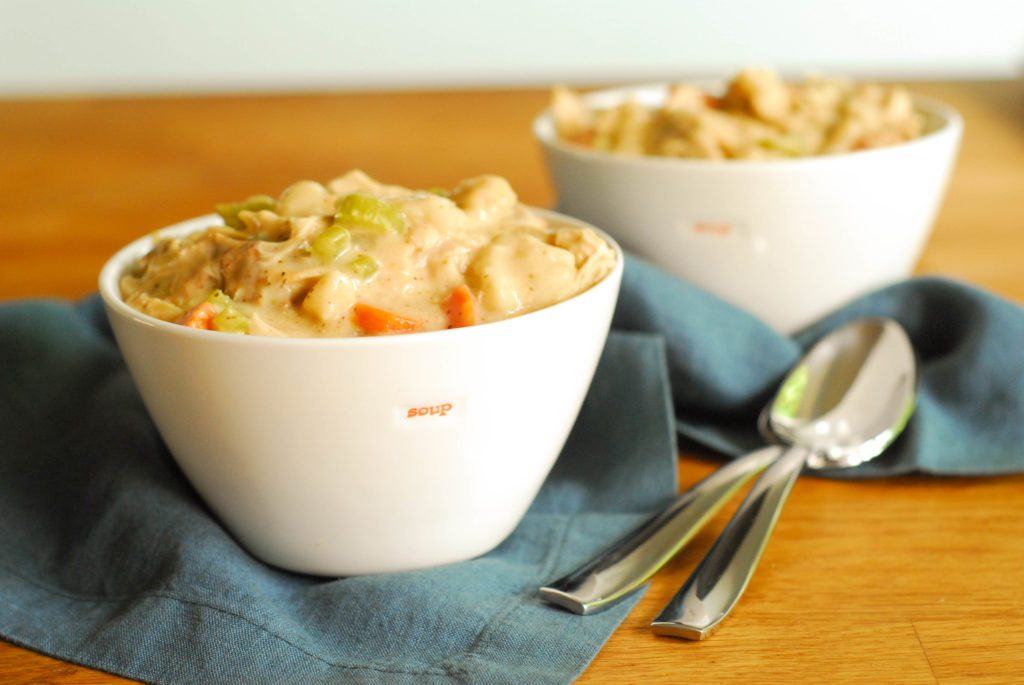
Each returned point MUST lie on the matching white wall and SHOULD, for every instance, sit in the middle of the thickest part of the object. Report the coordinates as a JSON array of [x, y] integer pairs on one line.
[[112, 46]]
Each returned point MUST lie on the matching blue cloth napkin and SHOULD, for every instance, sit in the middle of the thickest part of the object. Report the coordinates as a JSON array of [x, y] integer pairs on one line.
[[109, 558], [724, 365]]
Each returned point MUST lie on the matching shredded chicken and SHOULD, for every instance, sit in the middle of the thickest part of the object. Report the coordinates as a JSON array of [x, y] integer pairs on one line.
[[758, 117], [356, 257]]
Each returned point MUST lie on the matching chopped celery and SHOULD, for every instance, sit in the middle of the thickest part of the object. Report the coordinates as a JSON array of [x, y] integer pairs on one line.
[[364, 266], [331, 243], [363, 211], [790, 146], [443, 192], [229, 210], [230, 320], [227, 318], [219, 299], [258, 202]]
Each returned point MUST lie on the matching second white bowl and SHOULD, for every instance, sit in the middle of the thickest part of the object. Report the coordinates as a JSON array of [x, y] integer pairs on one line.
[[787, 240]]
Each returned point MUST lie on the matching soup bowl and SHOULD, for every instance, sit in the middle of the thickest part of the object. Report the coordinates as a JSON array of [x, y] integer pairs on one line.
[[787, 240], [344, 456]]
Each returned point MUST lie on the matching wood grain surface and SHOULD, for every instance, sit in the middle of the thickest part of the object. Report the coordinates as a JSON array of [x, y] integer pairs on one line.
[[911, 580]]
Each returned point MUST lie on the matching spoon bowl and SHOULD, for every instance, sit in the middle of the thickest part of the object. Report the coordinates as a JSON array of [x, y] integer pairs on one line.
[[831, 399]]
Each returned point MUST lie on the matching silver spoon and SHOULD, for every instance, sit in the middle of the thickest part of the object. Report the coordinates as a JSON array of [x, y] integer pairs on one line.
[[842, 405], [629, 563]]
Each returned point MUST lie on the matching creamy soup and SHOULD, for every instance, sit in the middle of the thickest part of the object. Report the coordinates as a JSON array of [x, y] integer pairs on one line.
[[759, 116], [355, 257]]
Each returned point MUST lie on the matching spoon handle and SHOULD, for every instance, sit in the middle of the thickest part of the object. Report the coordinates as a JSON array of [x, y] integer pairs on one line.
[[718, 582], [627, 565]]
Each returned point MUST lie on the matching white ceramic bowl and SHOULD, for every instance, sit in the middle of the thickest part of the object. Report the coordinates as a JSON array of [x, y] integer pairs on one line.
[[786, 240], [366, 455]]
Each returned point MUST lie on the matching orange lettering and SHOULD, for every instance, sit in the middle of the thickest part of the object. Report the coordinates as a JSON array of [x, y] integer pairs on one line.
[[722, 229], [435, 410]]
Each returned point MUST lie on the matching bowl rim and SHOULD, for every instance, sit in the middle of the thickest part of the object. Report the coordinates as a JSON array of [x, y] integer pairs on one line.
[[115, 266], [950, 126]]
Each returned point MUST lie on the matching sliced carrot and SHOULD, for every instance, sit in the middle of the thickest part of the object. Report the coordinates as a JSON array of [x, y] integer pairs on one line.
[[374, 320], [460, 307], [584, 138], [200, 316]]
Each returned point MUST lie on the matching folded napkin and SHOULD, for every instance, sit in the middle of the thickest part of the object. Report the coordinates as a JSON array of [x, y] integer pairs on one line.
[[724, 365], [109, 558]]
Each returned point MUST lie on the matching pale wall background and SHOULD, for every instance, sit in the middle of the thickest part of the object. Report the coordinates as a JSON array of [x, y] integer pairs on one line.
[[158, 46]]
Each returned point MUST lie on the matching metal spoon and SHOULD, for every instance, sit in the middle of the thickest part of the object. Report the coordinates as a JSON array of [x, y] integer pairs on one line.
[[629, 563], [843, 404]]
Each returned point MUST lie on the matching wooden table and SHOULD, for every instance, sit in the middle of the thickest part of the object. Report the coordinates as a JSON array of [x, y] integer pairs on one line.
[[914, 580]]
